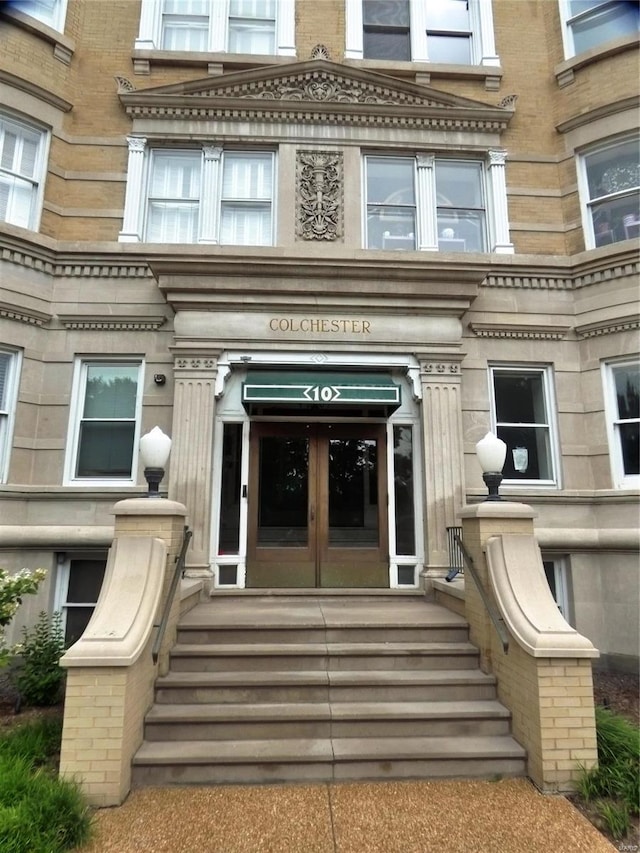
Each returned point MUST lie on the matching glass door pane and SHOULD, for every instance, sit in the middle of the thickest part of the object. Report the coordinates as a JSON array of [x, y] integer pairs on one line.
[[284, 492], [353, 493]]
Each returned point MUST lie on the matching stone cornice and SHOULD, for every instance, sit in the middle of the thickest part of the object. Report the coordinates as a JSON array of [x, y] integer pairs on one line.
[[111, 323], [519, 330], [30, 316], [608, 327], [315, 92], [599, 112], [37, 91]]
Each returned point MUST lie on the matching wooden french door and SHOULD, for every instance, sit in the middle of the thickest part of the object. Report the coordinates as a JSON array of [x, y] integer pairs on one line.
[[318, 506]]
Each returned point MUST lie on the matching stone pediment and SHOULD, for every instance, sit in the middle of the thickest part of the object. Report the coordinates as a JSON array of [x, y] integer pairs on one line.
[[315, 91]]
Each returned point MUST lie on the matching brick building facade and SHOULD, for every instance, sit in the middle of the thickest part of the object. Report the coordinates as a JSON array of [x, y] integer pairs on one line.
[[325, 246]]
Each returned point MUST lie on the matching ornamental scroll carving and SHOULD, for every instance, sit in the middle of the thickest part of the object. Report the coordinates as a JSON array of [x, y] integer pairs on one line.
[[320, 195], [325, 87]]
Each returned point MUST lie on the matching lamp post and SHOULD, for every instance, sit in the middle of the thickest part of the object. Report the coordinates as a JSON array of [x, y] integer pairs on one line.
[[155, 447], [491, 452]]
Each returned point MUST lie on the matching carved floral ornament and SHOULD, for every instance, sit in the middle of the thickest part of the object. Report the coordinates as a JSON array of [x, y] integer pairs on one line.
[[319, 194], [440, 368]]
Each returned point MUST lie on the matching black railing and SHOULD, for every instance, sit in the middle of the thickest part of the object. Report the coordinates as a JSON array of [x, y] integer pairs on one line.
[[498, 621], [456, 559], [179, 571]]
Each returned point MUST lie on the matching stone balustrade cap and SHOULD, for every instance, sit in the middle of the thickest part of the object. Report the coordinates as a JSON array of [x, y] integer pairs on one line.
[[149, 506], [498, 509]]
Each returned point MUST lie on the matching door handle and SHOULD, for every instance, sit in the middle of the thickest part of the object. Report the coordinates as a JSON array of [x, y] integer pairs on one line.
[[312, 513]]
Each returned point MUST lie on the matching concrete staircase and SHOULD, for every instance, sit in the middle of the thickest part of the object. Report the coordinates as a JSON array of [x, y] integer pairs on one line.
[[283, 688]]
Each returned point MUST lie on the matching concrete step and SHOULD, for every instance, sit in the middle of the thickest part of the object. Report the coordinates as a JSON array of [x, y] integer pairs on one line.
[[218, 634], [237, 657], [322, 720], [324, 686], [324, 759]]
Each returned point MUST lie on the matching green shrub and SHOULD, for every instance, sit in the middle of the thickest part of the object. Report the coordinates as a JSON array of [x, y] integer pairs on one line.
[[39, 679], [39, 813], [615, 783]]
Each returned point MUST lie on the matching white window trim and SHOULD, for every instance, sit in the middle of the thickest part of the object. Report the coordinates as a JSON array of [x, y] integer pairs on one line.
[[63, 572], [560, 578], [150, 33], [75, 417], [567, 31], [136, 196], [7, 416], [551, 411], [39, 168], [619, 478], [59, 17], [583, 183], [495, 192], [483, 44]]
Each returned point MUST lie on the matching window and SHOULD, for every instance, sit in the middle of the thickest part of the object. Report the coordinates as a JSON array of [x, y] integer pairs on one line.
[[458, 32], [555, 569], [262, 27], [21, 166], [49, 12], [622, 408], [9, 371], [105, 427], [425, 203], [610, 181], [521, 414], [78, 583], [205, 196], [590, 23]]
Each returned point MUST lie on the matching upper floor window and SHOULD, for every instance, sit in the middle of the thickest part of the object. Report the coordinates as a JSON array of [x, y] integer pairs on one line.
[[458, 32], [522, 416], [9, 371], [49, 12], [263, 27], [21, 171], [104, 424], [429, 203], [589, 23], [610, 183], [206, 195], [622, 408]]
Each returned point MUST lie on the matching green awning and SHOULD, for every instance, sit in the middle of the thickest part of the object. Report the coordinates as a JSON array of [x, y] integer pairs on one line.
[[311, 389]]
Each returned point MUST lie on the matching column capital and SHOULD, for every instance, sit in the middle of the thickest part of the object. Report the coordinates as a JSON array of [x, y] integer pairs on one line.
[[425, 161], [137, 143], [497, 157]]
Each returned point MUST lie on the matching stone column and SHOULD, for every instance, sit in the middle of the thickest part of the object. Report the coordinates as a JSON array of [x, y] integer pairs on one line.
[[427, 237], [443, 456], [192, 452], [502, 238], [211, 176], [133, 199]]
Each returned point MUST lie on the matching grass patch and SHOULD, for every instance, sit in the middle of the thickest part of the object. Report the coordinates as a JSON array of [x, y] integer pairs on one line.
[[614, 786], [39, 813]]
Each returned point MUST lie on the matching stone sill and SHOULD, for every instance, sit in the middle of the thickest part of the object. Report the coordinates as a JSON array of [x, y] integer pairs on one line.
[[214, 63], [63, 46], [424, 72], [565, 71]]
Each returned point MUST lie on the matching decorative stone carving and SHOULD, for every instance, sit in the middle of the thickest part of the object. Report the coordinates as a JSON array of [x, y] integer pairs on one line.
[[441, 367], [535, 333], [112, 324], [326, 87], [508, 102], [319, 177], [196, 363], [320, 52], [608, 327], [23, 315], [124, 85]]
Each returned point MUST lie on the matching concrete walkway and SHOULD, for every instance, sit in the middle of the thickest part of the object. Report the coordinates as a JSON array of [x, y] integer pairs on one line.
[[508, 816]]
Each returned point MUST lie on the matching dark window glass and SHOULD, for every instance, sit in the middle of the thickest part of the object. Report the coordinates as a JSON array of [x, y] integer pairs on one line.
[[386, 29], [403, 491], [229, 531]]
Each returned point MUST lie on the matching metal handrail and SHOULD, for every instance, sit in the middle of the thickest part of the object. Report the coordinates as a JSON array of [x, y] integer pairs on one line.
[[455, 554], [180, 561], [498, 621]]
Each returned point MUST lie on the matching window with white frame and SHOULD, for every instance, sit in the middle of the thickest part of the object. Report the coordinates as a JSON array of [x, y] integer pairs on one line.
[[457, 32], [105, 422], [21, 171], [555, 570], [590, 23], [426, 203], [49, 12], [78, 583], [9, 371], [202, 195], [522, 413], [622, 408], [610, 189], [262, 27]]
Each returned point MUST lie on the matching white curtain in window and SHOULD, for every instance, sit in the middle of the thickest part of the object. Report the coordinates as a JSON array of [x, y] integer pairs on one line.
[[174, 198], [252, 26], [185, 25], [246, 199], [18, 162], [4, 377]]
